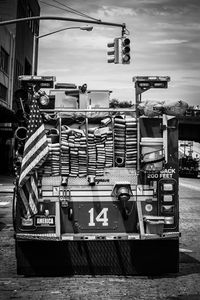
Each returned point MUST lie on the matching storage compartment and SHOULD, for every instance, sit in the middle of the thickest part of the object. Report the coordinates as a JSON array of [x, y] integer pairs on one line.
[[64, 101]]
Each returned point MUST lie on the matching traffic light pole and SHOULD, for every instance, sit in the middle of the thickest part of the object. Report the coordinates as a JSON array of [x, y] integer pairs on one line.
[[98, 22], [35, 41]]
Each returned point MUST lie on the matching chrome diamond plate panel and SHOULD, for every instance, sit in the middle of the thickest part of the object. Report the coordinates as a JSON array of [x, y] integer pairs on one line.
[[110, 177]]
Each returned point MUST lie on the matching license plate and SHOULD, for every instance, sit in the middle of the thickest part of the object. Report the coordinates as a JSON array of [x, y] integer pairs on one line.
[[45, 221]]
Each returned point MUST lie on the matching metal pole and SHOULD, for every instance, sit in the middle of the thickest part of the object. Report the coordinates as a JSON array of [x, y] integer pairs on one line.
[[34, 54], [123, 25], [35, 45], [14, 21], [59, 30]]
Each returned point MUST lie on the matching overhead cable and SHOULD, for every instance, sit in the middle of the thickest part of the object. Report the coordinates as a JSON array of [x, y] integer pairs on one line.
[[69, 10], [75, 11]]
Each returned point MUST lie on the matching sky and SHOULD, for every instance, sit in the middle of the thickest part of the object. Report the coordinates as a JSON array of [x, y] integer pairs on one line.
[[165, 40]]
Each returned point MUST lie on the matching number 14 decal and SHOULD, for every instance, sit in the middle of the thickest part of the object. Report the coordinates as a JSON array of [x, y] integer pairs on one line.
[[101, 217]]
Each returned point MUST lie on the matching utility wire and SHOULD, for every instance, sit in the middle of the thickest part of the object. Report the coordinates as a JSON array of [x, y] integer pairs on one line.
[[58, 7], [75, 11], [68, 10]]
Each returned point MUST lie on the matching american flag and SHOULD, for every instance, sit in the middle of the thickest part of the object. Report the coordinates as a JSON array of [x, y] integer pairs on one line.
[[35, 153]]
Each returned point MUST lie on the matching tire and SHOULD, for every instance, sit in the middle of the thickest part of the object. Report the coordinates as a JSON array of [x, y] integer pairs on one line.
[[14, 208]]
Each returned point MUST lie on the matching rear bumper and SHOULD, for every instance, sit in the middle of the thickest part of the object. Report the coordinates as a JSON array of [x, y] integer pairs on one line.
[[100, 257], [95, 237]]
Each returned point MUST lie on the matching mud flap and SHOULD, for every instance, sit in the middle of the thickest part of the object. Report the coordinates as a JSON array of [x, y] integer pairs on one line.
[[116, 257]]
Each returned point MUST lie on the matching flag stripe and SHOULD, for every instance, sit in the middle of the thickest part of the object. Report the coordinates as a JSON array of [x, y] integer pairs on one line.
[[33, 144], [33, 151], [25, 202], [29, 192], [34, 136], [32, 196], [38, 159], [38, 153], [34, 185]]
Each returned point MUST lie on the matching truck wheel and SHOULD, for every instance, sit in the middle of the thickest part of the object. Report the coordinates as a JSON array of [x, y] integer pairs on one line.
[[14, 208]]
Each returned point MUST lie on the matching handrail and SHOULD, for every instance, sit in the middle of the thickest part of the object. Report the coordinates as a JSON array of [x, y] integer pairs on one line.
[[89, 110]]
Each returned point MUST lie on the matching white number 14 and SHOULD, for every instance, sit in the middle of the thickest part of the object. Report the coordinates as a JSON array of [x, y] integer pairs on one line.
[[101, 217]]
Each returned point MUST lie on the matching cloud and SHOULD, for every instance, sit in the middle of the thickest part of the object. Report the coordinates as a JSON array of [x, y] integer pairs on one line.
[[164, 37], [113, 11], [169, 42]]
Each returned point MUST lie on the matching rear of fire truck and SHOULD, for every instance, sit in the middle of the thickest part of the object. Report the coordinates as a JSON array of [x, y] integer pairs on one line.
[[107, 190], [188, 166]]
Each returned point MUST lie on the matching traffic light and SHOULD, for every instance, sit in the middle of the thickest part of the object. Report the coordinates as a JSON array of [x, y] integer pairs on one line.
[[126, 57], [114, 52]]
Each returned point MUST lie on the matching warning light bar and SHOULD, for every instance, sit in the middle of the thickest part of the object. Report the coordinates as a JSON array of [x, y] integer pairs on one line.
[[152, 84], [144, 84], [40, 81], [147, 82], [151, 78]]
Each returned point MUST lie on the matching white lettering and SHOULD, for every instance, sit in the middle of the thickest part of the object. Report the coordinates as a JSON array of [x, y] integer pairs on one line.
[[101, 217]]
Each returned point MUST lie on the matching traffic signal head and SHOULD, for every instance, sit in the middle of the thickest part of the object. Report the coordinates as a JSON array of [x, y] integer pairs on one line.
[[126, 57], [114, 52]]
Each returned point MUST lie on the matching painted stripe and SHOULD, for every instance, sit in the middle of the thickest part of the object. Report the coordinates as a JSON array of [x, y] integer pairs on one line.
[[99, 194], [93, 199], [89, 193]]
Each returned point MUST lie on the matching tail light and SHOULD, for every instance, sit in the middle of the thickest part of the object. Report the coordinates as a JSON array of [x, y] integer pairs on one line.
[[167, 189]]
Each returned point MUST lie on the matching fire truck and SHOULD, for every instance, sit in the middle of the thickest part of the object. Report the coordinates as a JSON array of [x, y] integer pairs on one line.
[[107, 190], [188, 166]]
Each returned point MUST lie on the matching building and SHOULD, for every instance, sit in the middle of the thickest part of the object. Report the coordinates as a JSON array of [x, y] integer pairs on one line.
[[16, 55]]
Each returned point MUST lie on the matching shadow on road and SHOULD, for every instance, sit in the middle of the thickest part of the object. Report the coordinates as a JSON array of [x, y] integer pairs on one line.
[[185, 297], [188, 265]]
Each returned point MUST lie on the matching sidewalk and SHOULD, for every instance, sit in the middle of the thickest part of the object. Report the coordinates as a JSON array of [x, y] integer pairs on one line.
[[6, 184]]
